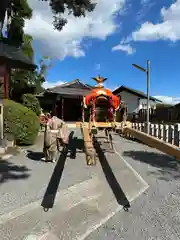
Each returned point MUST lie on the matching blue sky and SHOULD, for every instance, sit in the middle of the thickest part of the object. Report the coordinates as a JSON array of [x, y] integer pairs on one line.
[[109, 41]]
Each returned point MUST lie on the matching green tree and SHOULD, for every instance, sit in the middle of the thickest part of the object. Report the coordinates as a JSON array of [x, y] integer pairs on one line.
[[31, 102], [44, 65], [27, 46], [17, 12], [22, 81], [78, 8]]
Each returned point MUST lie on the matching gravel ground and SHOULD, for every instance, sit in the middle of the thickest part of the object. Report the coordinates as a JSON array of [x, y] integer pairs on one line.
[[156, 213]]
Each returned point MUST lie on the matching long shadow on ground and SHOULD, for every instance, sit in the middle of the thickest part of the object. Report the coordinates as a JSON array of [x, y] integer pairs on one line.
[[168, 168], [110, 177], [35, 156], [10, 171], [50, 194], [74, 146]]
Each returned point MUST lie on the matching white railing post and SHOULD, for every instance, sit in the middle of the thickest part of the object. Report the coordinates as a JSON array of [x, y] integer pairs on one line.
[[143, 127], [152, 129], [147, 126], [177, 135], [161, 131], [171, 134], [165, 133], [156, 130], [140, 127]]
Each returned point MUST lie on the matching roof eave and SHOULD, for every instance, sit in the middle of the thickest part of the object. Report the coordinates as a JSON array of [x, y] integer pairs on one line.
[[68, 84], [121, 88]]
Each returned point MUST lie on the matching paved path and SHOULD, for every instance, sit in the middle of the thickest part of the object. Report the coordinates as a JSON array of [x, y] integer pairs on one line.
[[87, 197], [155, 215]]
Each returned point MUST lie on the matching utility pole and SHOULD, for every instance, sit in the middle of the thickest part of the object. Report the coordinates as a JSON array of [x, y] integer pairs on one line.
[[147, 71], [148, 95]]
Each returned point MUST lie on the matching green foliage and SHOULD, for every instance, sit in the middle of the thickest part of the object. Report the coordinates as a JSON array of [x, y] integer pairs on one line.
[[31, 102], [21, 122], [78, 8], [17, 12], [21, 8], [15, 31], [27, 46], [22, 81], [19, 84]]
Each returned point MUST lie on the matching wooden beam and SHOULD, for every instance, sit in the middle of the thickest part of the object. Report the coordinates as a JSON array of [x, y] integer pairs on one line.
[[104, 124], [88, 146], [97, 124], [154, 142]]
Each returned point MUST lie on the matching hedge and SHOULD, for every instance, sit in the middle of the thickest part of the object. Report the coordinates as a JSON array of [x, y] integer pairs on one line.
[[31, 102], [21, 122]]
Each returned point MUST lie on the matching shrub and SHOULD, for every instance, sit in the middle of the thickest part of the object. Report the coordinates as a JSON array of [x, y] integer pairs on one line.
[[31, 102], [21, 122]]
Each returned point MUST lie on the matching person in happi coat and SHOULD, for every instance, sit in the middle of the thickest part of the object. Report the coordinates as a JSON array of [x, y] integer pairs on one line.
[[56, 134]]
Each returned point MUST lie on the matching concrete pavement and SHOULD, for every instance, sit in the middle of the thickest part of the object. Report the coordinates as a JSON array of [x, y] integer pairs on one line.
[[155, 214], [87, 196], [89, 200]]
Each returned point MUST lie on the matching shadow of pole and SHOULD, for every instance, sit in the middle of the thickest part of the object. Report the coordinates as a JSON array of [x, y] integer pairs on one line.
[[110, 177], [73, 148], [50, 194]]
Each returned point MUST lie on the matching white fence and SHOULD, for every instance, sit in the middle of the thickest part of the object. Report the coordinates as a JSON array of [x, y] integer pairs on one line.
[[167, 133]]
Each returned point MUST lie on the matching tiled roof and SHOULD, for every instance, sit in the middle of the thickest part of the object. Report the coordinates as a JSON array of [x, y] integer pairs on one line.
[[15, 56], [75, 87], [133, 91]]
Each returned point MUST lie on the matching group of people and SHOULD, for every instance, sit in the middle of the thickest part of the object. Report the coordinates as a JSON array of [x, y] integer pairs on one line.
[[56, 134]]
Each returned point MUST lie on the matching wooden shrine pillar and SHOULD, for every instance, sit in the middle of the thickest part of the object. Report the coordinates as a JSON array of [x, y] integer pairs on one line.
[[4, 75]]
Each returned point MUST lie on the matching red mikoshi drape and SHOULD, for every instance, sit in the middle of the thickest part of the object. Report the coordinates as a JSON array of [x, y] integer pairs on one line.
[[102, 91]]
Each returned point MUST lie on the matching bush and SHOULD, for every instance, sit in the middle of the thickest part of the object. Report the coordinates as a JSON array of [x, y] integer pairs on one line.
[[31, 102], [21, 122]]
